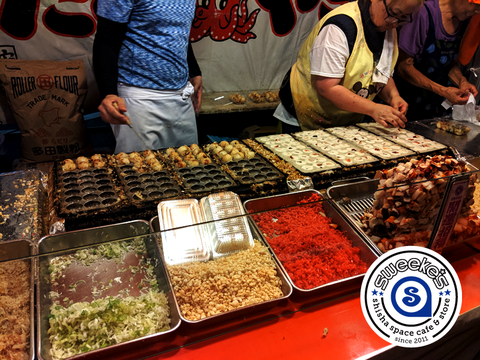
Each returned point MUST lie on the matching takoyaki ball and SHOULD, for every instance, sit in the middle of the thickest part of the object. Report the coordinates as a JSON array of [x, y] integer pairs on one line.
[[201, 155], [134, 155], [192, 163], [217, 149], [228, 148], [211, 146], [196, 151], [234, 151], [157, 166], [222, 153], [234, 142], [150, 157], [120, 155], [180, 164], [151, 161], [169, 150], [239, 147], [226, 158], [68, 165], [147, 153], [245, 150], [237, 156], [81, 159], [194, 146], [223, 143], [250, 155], [99, 164], [96, 157], [83, 165], [173, 155], [124, 161], [183, 150], [205, 161]]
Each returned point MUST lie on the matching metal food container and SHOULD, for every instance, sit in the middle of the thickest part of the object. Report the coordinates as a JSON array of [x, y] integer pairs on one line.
[[335, 288], [15, 249], [286, 290], [56, 245]]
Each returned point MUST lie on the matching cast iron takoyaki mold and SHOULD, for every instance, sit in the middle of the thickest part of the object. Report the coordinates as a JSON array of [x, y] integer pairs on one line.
[[86, 190], [251, 171], [147, 186], [203, 178]]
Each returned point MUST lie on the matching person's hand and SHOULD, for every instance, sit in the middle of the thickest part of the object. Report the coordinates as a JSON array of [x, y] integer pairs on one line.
[[399, 104], [197, 92], [109, 113], [387, 116], [456, 96], [465, 85]]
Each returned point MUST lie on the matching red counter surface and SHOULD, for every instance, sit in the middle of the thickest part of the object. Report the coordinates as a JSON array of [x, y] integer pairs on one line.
[[294, 329]]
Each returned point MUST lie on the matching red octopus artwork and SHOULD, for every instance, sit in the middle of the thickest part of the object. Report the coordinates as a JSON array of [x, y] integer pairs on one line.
[[227, 20]]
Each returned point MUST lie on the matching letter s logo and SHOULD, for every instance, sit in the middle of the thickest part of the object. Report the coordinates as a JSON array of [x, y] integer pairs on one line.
[[412, 297]]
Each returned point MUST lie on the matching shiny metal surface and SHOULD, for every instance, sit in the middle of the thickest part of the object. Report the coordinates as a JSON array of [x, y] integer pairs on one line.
[[286, 289], [335, 288], [229, 233], [183, 242], [467, 145], [91, 237]]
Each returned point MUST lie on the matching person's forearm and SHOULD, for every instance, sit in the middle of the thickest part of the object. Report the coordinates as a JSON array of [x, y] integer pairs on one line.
[[407, 71], [346, 100], [106, 50], [455, 75], [193, 68]]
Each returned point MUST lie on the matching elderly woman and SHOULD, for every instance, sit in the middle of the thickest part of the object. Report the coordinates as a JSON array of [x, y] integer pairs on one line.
[[428, 47], [345, 62]]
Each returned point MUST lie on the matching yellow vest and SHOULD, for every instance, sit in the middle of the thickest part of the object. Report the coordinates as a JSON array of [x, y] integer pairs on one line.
[[314, 111]]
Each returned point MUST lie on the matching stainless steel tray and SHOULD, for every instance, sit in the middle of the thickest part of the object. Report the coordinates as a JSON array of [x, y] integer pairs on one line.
[[335, 288], [90, 237], [286, 289], [361, 194], [14, 249]]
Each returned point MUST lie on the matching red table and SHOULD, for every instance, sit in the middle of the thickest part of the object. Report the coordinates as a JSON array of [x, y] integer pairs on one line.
[[294, 329]]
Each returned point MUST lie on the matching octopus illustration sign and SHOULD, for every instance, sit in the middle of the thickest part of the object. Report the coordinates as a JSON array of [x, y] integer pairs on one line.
[[257, 39]]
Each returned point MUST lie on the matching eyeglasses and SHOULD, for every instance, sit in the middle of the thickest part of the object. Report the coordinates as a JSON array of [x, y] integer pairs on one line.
[[393, 19]]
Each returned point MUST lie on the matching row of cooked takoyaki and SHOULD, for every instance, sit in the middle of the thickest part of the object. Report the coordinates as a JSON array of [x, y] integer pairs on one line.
[[226, 151], [82, 163], [144, 162], [187, 156]]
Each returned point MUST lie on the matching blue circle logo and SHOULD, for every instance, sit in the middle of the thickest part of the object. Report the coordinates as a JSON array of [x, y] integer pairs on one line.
[[411, 296]]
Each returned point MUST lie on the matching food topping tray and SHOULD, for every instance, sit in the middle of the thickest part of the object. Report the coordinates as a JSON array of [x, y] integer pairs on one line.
[[21, 204], [335, 148], [144, 177], [88, 186], [298, 154], [376, 145], [404, 137], [329, 261]]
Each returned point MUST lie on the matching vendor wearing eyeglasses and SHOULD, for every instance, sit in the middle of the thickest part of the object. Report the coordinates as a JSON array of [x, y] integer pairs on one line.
[[428, 47], [347, 60]]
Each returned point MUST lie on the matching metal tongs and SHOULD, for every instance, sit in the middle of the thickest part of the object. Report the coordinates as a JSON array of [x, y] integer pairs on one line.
[[115, 105], [474, 71]]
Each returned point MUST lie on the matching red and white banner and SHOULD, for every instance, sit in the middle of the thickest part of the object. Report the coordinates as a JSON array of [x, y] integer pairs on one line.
[[240, 44]]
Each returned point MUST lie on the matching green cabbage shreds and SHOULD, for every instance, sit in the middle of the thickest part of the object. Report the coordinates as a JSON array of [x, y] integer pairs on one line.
[[86, 326]]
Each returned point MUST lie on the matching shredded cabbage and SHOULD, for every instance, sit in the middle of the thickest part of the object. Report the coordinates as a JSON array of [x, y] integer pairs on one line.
[[84, 326]]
